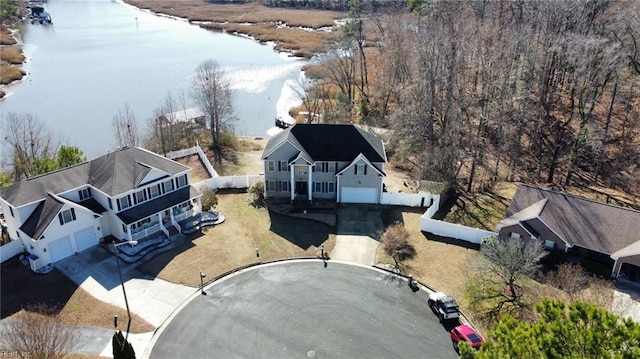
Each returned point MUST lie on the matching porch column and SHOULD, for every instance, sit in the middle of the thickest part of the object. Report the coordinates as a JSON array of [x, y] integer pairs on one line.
[[129, 233], [292, 182], [615, 271], [338, 189], [310, 182]]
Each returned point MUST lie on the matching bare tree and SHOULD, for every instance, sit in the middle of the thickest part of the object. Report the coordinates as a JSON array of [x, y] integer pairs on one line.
[[311, 96], [29, 139], [37, 333], [125, 127], [395, 241], [496, 286], [211, 90]]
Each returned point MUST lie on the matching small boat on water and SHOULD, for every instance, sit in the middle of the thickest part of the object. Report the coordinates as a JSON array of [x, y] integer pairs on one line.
[[38, 14]]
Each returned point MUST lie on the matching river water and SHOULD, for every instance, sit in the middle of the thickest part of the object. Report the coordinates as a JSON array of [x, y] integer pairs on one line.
[[100, 54]]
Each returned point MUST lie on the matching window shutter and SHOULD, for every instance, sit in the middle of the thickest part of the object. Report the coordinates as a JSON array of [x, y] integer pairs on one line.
[[89, 191], [73, 214], [355, 169], [279, 166], [60, 218], [80, 195], [365, 169], [335, 169], [118, 202]]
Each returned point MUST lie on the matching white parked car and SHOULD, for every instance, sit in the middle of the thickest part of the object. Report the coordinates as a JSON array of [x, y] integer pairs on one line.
[[444, 306]]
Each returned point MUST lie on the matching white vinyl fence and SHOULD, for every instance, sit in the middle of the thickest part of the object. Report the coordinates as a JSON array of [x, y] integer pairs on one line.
[[409, 199], [451, 230], [10, 249], [223, 182], [190, 151]]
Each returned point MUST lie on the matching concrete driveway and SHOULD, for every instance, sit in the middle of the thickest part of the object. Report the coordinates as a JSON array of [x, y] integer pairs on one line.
[[358, 228], [95, 271]]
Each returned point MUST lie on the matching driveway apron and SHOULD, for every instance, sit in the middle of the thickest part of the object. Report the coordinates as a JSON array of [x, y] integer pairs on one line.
[[358, 225]]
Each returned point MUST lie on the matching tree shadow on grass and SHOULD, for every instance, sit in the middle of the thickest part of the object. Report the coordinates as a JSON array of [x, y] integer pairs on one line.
[[301, 232], [21, 287]]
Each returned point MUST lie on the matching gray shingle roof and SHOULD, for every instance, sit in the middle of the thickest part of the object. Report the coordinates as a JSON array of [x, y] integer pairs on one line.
[[597, 226], [44, 213], [113, 173], [330, 142]]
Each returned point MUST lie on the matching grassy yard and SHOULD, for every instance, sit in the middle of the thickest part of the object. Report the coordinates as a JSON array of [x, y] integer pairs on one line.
[[233, 243], [20, 287]]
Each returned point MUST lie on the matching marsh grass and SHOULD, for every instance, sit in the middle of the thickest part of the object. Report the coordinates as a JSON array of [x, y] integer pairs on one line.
[[6, 38], [12, 55], [9, 73], [257, 21]]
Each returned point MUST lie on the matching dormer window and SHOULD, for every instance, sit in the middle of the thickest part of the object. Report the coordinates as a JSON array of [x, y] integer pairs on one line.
[[67, 216], [85, 193]]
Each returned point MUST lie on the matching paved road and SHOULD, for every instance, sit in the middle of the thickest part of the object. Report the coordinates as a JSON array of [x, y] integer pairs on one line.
[[302, 309]]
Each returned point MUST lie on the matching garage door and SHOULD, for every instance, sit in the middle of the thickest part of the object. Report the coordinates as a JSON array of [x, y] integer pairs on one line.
[[359, 195], [60, 249], [85, 238]]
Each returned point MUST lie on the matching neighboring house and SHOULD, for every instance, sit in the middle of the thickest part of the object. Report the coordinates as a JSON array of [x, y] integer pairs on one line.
[[324, 161], [599, 231], [190, 119], [129, 194]]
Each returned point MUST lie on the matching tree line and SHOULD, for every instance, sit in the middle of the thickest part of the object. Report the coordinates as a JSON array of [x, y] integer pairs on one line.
[[484, 91]]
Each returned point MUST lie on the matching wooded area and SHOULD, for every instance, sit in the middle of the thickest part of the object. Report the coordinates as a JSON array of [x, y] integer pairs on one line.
[[486, 91]]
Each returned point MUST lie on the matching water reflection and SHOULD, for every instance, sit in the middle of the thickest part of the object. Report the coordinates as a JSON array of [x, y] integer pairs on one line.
[[100, 54]]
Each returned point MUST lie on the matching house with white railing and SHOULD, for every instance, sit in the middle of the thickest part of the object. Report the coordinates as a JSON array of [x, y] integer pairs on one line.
[[130, 194]]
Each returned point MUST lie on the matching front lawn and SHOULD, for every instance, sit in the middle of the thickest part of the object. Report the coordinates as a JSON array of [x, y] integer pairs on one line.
[[233, 243]]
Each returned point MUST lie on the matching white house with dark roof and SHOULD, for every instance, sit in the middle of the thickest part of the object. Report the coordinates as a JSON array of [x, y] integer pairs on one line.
[[129, 194], [607, 233], [324, 161]]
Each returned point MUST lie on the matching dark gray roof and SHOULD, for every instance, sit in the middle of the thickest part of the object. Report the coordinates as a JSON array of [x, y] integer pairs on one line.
[[114, 173], [159, 204], [44, 213], [589, 224], [330, 142]]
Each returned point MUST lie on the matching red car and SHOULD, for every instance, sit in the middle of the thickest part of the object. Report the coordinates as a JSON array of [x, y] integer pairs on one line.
[[466, 333]]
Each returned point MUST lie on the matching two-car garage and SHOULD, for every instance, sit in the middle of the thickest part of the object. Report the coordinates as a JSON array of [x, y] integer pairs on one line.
[[358, 195], [63, 247]]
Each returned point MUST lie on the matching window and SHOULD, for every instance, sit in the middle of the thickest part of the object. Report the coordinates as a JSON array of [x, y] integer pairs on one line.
[[283, 166], [324, 187], [271, 185], [154, 191], [283, 186], [124, 202], [182, 181], [272, 165], [85, 193], [67, 216], [168, 186], [361, 170], [301, 170], [332, 167], [141, 196], [124, 228]]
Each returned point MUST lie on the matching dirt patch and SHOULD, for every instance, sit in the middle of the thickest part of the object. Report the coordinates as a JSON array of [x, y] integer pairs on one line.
[[198, 172], [21, 287]]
